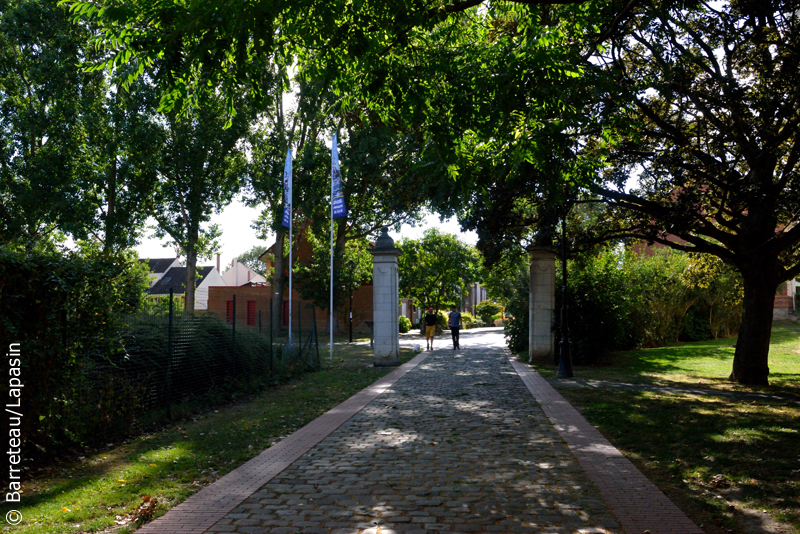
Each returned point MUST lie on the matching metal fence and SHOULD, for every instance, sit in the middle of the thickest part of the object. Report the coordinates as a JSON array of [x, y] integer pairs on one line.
[[169, 357]]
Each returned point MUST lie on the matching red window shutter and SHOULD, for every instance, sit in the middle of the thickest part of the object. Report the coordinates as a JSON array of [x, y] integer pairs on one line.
[[251, 313], [229, 312]]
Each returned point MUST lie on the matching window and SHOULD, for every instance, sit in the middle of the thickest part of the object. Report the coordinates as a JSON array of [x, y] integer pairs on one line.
[[251, 313]]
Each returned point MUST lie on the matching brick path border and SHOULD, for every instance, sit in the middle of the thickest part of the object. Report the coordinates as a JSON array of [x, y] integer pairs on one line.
[[638, 504], [203, 509]]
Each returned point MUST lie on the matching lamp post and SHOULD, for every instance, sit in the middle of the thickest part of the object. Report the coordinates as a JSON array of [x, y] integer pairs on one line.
[[352, 265], [565, 355]]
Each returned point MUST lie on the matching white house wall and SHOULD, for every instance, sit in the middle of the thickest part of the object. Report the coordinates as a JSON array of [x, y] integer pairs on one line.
[[237, 275], [213, 278]]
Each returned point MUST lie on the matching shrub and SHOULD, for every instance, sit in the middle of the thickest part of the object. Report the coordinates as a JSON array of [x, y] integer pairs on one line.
[[67, 311], [619, 300], [97, 365], [487, 310], [516, 330], [441, 320], [405, 324], [600, 297], [468, 319]]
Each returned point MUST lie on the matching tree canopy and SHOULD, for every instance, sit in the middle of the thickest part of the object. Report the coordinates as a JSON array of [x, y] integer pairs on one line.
[[436, 270], [514, 107], [45, 162], [201, 170], [711, 98]]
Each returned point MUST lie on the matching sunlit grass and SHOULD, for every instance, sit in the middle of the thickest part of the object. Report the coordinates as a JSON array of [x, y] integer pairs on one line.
[[705, 364], [715, 457], [106, 487]]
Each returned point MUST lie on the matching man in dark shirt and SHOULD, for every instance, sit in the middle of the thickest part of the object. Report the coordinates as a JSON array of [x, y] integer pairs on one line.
[[430, 327], [455, 324]]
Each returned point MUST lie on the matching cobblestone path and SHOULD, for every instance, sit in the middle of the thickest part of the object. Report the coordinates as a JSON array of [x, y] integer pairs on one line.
[[456, 445]]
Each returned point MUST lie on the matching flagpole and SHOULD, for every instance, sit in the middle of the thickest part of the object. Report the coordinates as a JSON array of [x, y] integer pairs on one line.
[[290, 285], [287, 222], [330, 306], [338, 209]]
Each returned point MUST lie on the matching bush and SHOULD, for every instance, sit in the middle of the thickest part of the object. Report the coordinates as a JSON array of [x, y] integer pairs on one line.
[[619, 300], [487, 310], [600, 304], [67, 311], [97, 365], [405, 324], [516, 330], [468, 319], [441, 320]]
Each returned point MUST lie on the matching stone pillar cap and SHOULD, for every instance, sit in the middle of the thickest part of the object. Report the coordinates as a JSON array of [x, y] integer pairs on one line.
[[384, 240], [384, 244]]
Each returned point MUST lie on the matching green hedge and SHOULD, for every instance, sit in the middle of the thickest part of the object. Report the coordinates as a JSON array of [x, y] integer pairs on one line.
[[95, 359], [66, 312], [487, 310], [619, 300]]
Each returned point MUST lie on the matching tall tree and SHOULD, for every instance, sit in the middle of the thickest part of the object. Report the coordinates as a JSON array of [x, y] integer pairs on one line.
[[378, 184], [201, 170], [436, 269], [313, 277], [250, 259], [299, 128], [711, 103], [125, 137], [45, 96]]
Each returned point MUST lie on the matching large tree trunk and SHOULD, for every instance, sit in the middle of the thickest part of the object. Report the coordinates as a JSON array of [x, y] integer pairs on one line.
[[750, 361], [279, 280], [191, 274]]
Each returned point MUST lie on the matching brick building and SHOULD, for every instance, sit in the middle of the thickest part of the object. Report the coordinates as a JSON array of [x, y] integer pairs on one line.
[[785, 300], [256, 298]]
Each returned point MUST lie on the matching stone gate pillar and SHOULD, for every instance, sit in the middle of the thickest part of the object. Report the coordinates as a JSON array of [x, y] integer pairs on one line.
[[385, 301], [542, 303]]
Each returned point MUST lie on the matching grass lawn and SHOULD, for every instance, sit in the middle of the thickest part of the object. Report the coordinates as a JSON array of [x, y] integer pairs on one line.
[[705, 364], [731, 465], [104, 489]]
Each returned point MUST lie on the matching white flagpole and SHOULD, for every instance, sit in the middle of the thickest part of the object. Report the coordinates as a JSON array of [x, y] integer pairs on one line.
[[330, 307], [290, 286], [287, 171]]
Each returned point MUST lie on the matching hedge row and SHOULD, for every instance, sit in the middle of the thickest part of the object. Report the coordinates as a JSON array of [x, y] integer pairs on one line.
[[620, 300], [95, 359]]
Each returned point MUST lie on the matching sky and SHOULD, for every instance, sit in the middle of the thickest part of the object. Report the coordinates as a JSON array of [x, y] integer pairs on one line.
[[239, 237]]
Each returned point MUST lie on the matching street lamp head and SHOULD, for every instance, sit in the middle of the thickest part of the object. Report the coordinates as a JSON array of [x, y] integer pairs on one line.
[[351, 263]]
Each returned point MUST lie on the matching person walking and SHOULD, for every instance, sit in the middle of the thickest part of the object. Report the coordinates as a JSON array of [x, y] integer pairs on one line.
[[456, 323], [430, 328]]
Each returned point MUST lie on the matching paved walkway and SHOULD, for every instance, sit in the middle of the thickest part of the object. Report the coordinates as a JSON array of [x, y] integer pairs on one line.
[[454, 441]]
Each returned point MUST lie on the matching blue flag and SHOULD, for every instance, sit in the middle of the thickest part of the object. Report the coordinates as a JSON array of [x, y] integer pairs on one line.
[[338, 208], [287, 190]]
